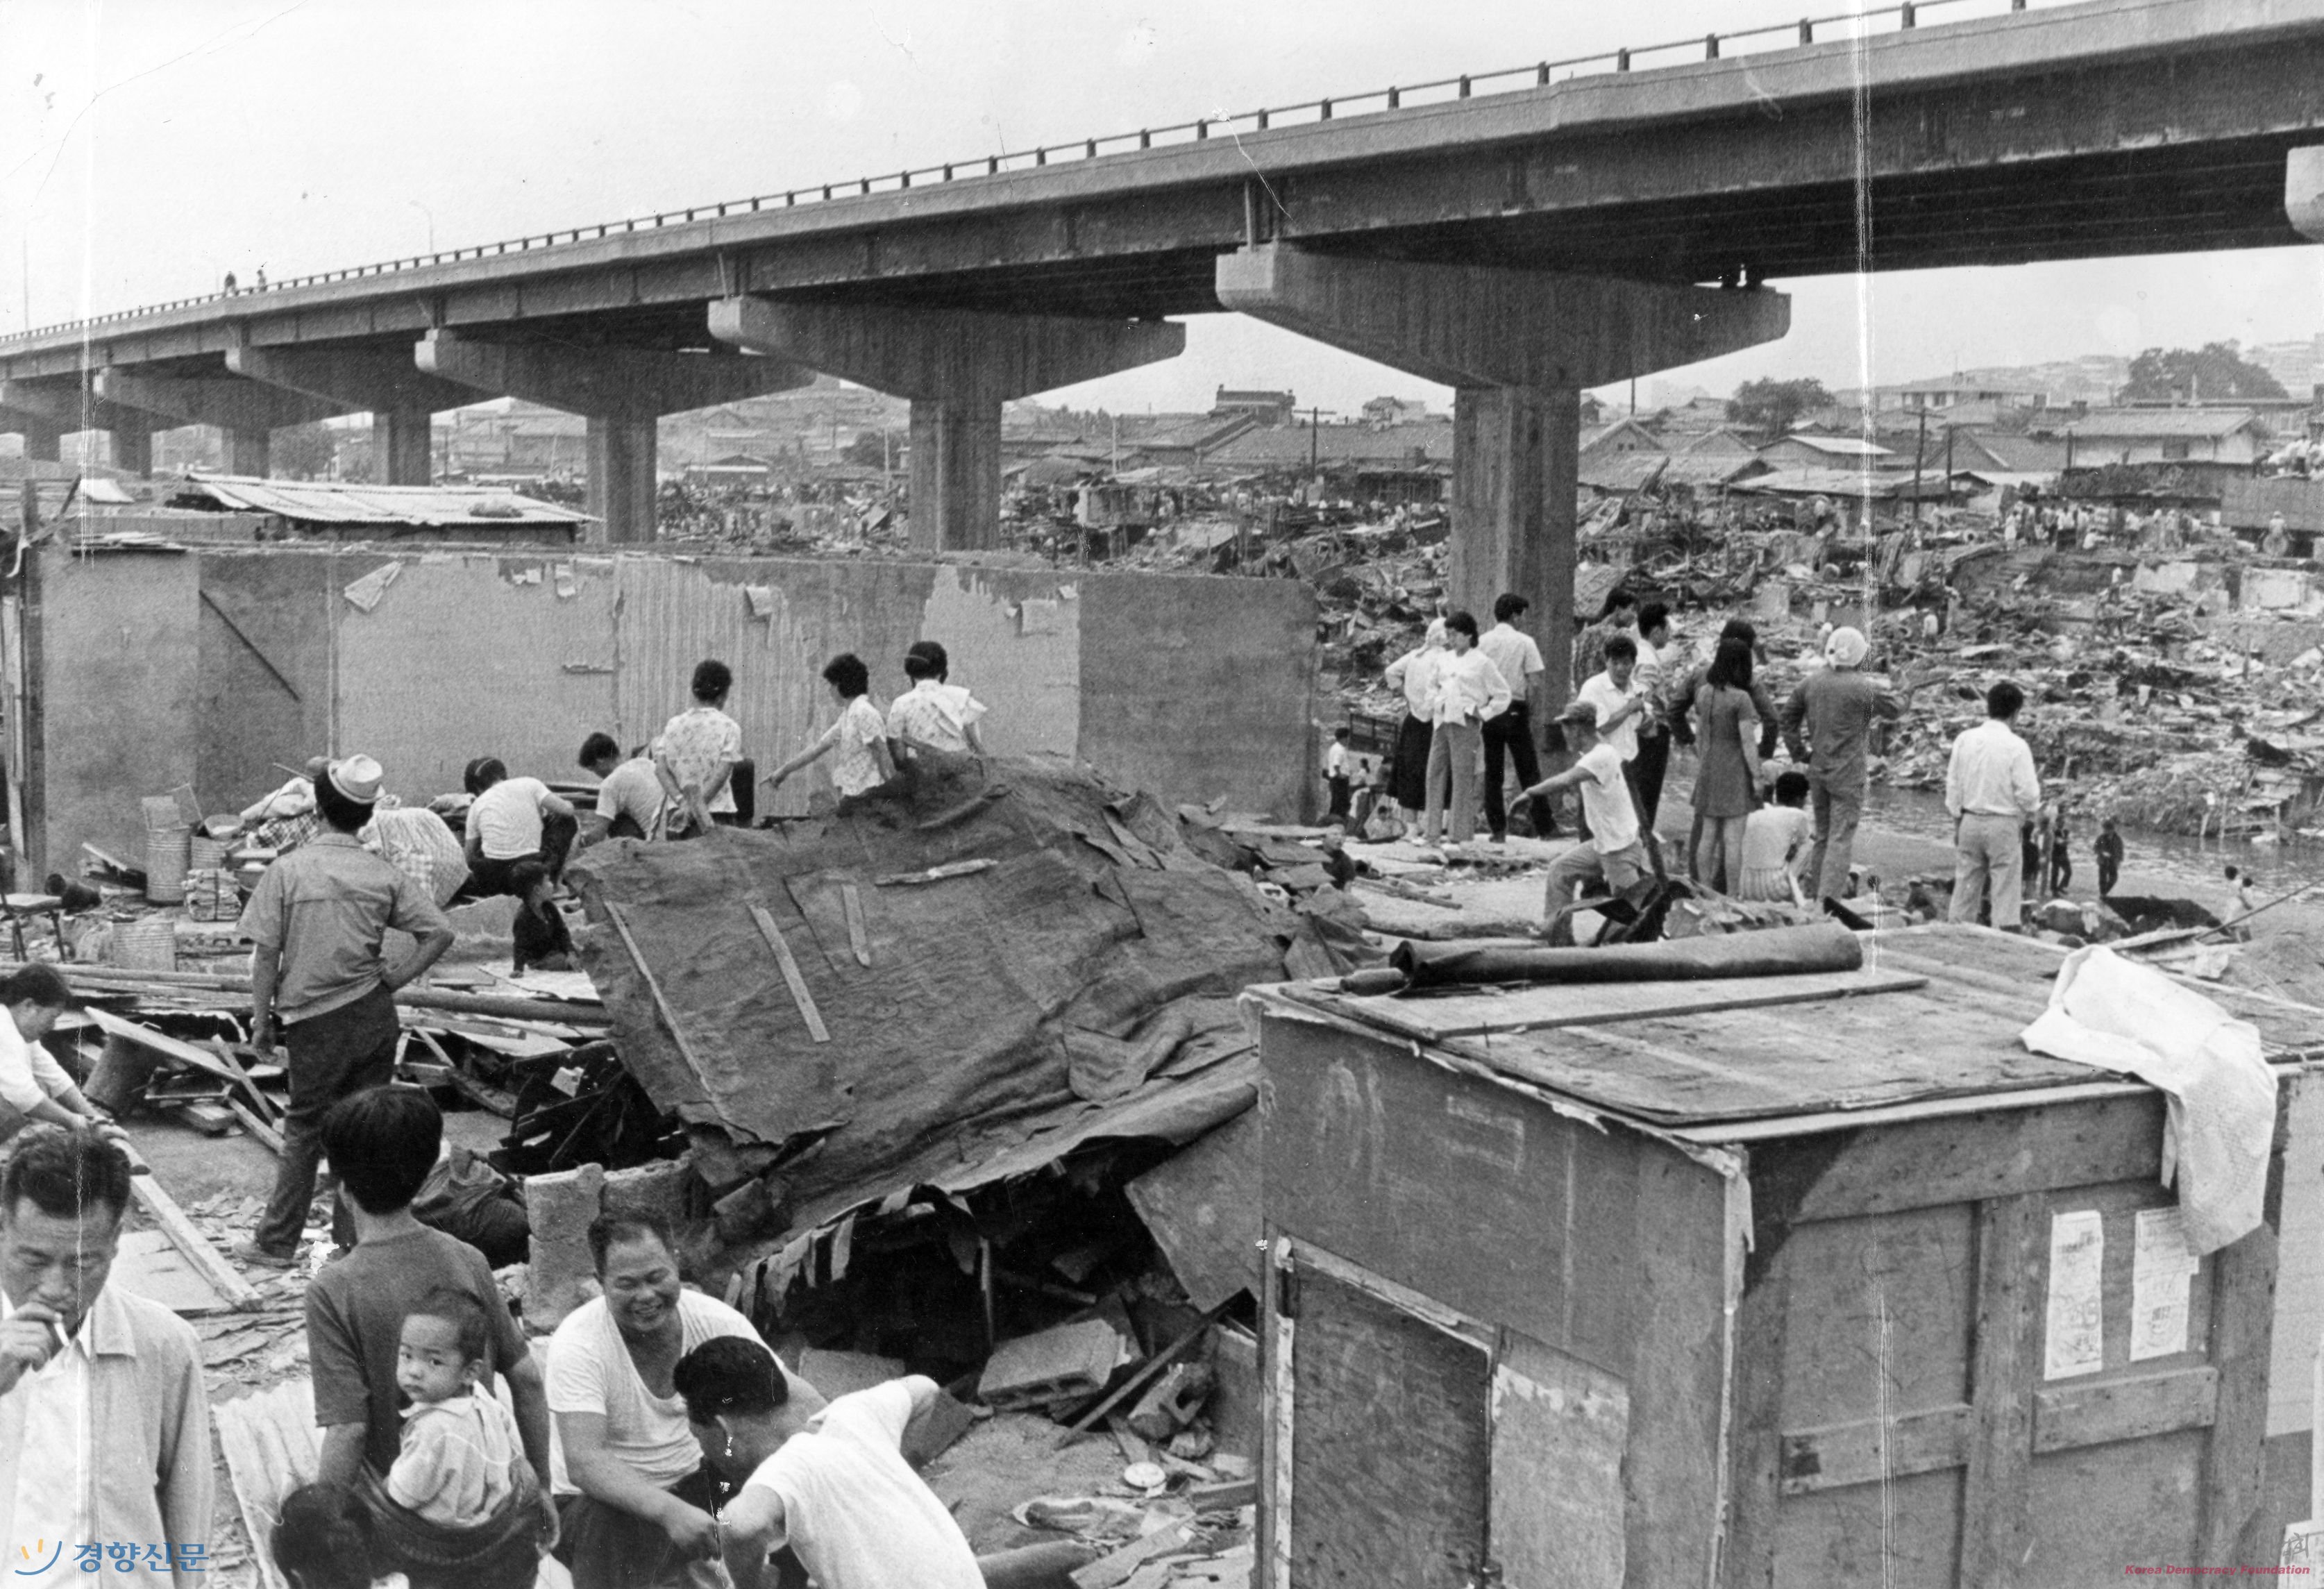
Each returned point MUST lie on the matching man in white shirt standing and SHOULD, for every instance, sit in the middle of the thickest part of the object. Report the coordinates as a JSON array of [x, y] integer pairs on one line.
[[1612, 853], [833, 1485], [1991, 789], [1509, 736], [1470, 693]]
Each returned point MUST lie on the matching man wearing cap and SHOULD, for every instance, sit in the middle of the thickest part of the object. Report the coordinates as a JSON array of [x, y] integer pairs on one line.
[[319, 919], [1612, 853], [1827, 728]]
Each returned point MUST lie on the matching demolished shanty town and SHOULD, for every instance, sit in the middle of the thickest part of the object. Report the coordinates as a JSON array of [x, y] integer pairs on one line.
[[668, 921]]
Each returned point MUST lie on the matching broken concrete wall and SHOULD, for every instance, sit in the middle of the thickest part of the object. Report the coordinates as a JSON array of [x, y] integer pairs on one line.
[[219, 663], [110, 642]]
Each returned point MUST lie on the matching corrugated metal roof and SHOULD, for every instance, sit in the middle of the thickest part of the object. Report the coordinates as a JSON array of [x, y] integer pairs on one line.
[[1389, 446], [1840, 445], [2140, 422], [339, 502], [1813, 482]]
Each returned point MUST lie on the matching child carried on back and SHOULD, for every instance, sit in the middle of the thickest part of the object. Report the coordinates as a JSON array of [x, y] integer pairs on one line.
[[458, 1440]]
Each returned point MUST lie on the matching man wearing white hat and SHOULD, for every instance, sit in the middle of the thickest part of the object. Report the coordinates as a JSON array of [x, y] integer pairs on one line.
[[318, 917]]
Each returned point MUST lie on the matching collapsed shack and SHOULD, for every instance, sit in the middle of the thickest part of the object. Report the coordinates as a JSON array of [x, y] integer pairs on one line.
[[957, 1020]]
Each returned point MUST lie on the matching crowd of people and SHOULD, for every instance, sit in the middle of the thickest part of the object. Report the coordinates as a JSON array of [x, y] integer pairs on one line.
[[1762, 831], [437, 1457]]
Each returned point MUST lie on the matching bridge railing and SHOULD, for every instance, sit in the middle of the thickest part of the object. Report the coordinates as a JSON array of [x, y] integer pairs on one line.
[[1813, 30]]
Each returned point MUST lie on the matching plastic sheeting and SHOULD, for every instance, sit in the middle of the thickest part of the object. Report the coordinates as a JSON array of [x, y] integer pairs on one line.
[[955, 1045], [2109, 1012]]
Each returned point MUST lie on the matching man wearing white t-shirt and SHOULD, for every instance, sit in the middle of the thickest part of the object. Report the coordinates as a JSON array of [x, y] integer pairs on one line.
[[1612, 853], [634, 1501], [514, 819], [833, 1485]]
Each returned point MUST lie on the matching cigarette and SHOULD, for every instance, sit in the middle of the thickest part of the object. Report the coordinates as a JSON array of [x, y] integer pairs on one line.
[[57, 1333]]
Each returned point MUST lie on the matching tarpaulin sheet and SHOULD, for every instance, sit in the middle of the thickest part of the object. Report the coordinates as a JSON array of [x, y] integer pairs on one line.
[[950, 1045]]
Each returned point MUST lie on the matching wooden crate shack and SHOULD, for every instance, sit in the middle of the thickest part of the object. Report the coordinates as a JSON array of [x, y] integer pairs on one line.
[[1737, 1283]]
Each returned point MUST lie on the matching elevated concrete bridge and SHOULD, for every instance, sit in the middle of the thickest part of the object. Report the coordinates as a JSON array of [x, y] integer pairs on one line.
[[1518, 236]]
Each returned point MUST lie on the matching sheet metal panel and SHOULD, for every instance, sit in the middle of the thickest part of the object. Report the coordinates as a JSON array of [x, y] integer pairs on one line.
[[472, 655], [340, 502]]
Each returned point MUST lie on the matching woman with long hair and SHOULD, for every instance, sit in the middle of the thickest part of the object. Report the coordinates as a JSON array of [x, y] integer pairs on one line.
[[1726, 784]]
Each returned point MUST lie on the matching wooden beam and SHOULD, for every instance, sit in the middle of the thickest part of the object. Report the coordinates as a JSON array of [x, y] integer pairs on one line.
[[2126, 1409], [163, 1211], [661, 1000], [1866, 1451], [2013, 1237], [791, 974], [1756, 1443]]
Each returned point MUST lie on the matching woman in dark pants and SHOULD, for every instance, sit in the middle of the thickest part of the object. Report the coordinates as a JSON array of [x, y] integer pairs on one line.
[[1414, 673]]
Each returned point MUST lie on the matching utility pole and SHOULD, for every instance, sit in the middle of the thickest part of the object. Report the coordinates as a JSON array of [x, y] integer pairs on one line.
[[1919, 451], [1314, 438]]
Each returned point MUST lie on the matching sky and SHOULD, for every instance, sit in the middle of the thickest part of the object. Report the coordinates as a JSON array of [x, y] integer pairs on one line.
[[147, 147]]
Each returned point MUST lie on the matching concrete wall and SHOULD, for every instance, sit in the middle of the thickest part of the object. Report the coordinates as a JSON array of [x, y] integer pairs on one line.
[[219, 663], [112, 685]]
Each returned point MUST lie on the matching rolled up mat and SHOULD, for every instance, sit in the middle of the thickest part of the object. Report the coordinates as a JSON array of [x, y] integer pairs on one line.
[[1780, 951]]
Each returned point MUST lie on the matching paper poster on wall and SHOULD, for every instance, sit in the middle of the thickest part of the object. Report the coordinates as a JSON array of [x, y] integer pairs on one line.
[[2303, 1547], [2074, 1342], [2161, 1265]]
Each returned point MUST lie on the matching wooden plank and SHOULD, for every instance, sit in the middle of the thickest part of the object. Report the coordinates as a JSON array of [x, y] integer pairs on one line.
[[1777, 1061], [164, 1212], [791, 974], [858, 938], [1744, 1131], [1202, 1205], [1490, 1203], [2013, 1236], [661, 1000], [2125, 1410], [256, 1127], [1437, 1017], [1391, 1451], [1864, 1452], [148, 1264], [1754, 1439], [1560, 1439], [1687, 1235], [2243, 1298], [1972, 1157], [160, 1043]]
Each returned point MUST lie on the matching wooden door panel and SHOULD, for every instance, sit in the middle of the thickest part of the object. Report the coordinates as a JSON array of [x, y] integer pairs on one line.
[[1391, 1446]]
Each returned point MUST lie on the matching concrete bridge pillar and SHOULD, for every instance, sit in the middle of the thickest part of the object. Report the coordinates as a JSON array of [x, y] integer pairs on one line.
[[53, 408], [1518, 347], [957, 366], [621, 391], [246, 412], [131, 448], [402, 398], [43, 438]]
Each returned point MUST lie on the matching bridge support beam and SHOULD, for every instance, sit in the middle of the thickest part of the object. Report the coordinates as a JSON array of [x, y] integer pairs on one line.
[[43, 437], [133, 450], [1518, 347], [402, 398], [56, 408], [246, 412], [957, 366], [621, 391]]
